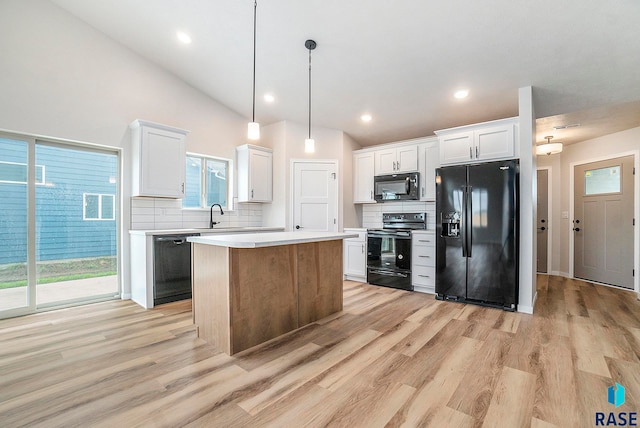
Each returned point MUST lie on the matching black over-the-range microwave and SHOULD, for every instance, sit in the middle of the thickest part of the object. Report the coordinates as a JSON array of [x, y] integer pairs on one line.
[[396, 187]]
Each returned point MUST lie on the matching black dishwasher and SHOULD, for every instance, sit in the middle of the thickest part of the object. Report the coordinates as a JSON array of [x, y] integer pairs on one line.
[[171, 268]]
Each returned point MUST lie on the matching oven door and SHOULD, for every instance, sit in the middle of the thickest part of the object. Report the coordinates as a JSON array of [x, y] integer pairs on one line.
[[389, 258], [389, 250]]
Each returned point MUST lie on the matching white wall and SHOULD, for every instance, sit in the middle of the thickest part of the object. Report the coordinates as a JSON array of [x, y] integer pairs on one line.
[[61, 78], [351, 213], [286, 138], [528, 197]]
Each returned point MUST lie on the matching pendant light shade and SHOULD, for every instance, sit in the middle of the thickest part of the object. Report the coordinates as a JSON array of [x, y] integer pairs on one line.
[[309, 143], [549, 148], [253, 129]]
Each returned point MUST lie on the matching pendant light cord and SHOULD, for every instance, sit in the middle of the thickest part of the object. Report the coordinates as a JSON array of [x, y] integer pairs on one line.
[[309, 93], [255, 7]]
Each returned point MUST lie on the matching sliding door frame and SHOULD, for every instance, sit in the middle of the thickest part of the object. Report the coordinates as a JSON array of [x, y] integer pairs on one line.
[[32, 141]]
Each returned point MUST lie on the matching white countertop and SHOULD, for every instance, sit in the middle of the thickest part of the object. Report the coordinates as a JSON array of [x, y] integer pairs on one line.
[[207, 230], [258, 240]]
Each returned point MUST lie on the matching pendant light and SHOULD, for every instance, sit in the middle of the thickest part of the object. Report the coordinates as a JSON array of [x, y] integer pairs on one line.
[[549, 148], [253, 130], [309, 143]]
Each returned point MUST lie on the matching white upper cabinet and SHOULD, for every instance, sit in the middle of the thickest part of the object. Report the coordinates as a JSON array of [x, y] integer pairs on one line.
[[159, 159], [428, 161], [396, 159], [255, 173], [477, 143], [363, 172]]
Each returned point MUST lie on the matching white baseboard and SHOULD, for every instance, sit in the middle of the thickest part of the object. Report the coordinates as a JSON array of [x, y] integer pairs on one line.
[[525, 309], [562, 274], [422, 289], [125, 296]]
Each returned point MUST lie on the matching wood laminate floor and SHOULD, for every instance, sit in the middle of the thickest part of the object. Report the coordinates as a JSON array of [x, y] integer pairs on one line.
[[391, 358]]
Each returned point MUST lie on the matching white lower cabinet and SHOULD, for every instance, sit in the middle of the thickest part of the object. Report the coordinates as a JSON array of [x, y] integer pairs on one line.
[[423, 261], [355, 256]]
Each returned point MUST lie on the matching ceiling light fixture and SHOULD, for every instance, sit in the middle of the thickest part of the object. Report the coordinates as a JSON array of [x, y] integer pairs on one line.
[[366, 118], [309, 143], [549, 148], [183, 37], [462, 93], [253, 129]]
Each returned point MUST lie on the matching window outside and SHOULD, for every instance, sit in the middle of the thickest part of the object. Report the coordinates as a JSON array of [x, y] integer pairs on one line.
[[206, 182], [602, 180]]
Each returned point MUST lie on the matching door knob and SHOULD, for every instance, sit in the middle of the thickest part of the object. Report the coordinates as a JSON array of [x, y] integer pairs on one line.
[[543, 221], [542, 228], [298, 226], [576, 229]]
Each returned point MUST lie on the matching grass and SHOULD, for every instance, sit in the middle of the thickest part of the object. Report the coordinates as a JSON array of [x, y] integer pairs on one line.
[[51, 279], [13, 275]]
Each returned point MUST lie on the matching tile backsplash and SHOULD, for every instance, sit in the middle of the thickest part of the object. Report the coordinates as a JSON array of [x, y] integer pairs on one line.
[[160, 213], [372, 213]]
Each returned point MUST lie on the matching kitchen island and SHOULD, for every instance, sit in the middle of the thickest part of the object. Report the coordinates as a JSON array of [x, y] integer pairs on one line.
[[251, 288]]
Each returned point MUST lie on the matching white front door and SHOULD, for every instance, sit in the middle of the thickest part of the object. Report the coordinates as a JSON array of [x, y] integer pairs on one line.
[[315, 196]]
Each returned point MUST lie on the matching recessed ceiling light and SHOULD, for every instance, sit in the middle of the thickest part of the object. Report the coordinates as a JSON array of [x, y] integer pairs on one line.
[[462, 93], [183, 37], [269, 98], [366, 118]]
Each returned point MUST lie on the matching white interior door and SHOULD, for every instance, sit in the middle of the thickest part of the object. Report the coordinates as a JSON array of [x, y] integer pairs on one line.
[[603, 221], [315, 196]]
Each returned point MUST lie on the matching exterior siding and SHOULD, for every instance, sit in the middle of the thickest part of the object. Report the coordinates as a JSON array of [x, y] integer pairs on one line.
[[61, 230]]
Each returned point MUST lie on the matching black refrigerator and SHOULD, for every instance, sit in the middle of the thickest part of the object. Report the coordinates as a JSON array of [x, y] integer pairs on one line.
[[477, 209]]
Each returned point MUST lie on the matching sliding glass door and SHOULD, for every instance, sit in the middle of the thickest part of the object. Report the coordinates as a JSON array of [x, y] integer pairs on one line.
[[62, 247], [14, 290]]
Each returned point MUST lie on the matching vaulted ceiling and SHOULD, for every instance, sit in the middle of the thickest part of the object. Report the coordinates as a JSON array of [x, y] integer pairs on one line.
[[399, 61]]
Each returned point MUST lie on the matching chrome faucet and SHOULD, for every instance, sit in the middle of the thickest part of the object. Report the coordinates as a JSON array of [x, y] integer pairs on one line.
[[211, 222]]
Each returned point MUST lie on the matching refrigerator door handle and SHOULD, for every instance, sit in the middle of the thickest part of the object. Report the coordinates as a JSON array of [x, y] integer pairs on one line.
[[469, 224], [463, 222]]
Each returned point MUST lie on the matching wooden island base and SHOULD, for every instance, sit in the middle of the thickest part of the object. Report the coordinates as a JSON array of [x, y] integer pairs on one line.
[[246, 296]]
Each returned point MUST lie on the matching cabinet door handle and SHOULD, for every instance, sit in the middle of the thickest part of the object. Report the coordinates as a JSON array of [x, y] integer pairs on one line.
[[470, 152], [428, 257], [183, 188], [394, 165], [362, 248], [423, 192], [398, 164], [424, 276], [372, 195], [477, 152], [423, 240], [251, 193]]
